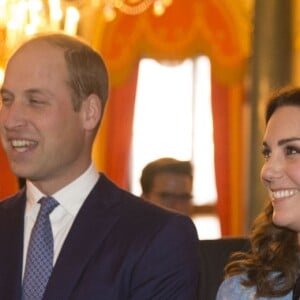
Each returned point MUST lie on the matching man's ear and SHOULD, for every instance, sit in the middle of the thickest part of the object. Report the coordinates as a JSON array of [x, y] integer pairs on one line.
[[91, 111]]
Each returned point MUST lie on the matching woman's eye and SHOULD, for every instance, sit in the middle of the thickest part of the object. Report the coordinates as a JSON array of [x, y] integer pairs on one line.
[[292, 150], [266, 153]]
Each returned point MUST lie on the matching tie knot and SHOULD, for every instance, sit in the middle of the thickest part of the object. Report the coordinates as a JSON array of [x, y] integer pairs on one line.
[[47, 205]]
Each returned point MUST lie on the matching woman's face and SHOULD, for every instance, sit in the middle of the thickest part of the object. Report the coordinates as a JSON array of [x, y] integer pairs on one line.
[[281, 170]]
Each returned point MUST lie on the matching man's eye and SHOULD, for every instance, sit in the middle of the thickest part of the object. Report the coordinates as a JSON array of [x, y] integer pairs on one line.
[[6, 100], [35, 101]]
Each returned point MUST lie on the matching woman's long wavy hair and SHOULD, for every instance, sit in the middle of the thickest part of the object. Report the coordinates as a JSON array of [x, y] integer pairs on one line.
[[272, 264]]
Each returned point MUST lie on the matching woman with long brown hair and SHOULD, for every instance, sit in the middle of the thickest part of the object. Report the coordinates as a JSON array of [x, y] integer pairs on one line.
[[270, 269]]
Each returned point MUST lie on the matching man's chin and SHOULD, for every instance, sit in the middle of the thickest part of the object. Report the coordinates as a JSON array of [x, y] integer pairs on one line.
[[20, 173]]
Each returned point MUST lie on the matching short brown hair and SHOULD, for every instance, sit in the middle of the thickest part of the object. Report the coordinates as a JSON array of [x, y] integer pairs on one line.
[[86, 68], [164, 165]]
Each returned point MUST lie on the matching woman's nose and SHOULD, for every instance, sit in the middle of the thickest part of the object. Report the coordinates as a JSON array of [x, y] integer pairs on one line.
[[271, 169]]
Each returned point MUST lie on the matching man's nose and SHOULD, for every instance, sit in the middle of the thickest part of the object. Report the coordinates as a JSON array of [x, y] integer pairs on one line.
[[12, 116]]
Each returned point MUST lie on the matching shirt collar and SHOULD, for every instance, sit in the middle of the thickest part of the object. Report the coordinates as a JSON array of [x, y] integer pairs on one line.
[[70, 197]]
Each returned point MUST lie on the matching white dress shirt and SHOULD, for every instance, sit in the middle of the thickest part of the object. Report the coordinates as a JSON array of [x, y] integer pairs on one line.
[[70, 199]]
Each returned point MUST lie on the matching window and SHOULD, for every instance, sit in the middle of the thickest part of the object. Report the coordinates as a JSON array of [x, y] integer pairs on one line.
[[173, 118]]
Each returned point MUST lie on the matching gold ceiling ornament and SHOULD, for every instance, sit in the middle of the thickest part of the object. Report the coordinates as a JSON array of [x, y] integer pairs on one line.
[[133, 7], [19, 18], [22, 18]]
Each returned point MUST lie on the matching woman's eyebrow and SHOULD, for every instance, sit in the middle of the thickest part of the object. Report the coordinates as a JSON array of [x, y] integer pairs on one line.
[[284, 141]]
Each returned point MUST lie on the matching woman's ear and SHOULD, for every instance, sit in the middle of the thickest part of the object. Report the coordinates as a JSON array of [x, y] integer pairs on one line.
[[91, 111]]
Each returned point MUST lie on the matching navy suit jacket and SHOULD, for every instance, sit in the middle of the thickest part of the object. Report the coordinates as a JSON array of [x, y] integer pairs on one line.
[[119, 247]]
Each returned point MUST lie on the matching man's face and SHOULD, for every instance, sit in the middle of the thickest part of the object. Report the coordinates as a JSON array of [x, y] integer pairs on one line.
[[41, 133], [172, 191]]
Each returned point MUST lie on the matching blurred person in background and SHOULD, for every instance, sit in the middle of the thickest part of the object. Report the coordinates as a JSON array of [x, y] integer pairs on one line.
[[168, 182]]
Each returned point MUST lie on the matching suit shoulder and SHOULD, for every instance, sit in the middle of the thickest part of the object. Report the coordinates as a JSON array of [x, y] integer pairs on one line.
[[137, 212], [12, 200], [128, 202]]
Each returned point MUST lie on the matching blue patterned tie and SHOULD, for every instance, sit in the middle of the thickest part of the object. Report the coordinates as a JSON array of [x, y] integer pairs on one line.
[[39, 261]]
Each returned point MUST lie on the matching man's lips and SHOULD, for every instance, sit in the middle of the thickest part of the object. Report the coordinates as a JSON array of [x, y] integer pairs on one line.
[[22, 145]]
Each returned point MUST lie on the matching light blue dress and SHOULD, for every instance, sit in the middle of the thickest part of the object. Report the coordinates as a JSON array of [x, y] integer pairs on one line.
[[232, 289]]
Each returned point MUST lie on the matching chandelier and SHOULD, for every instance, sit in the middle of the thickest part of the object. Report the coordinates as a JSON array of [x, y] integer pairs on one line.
[[22, 18], [133, 7]]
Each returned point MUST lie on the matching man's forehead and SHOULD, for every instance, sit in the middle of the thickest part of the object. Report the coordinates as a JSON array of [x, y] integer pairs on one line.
[[35, 68], [37, 56], [39, 51]]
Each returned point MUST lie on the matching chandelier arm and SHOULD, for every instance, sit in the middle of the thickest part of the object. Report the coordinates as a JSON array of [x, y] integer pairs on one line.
[[134, 9]]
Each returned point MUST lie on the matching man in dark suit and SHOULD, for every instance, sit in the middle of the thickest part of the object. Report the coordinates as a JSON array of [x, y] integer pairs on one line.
[[107, 243]]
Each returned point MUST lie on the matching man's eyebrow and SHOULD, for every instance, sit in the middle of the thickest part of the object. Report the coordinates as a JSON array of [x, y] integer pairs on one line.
[[29, 91], [4, 90], [38, 91]]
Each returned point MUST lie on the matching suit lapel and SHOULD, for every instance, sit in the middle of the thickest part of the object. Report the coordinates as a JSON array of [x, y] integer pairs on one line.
[[92, 224], [11, 251]]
